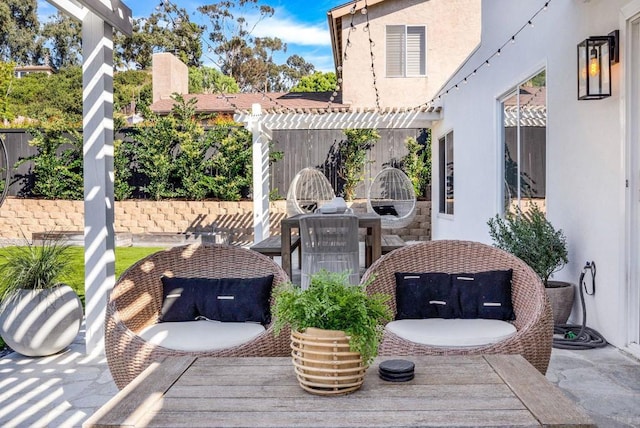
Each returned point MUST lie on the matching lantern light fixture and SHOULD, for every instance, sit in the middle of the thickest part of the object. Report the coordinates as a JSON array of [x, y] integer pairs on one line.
[[596, 54]]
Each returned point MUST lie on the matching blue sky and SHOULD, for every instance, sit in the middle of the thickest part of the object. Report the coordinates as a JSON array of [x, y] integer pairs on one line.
[[302, 25]]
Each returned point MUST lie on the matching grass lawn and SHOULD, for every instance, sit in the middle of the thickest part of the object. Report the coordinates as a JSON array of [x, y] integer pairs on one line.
[[125, 257]]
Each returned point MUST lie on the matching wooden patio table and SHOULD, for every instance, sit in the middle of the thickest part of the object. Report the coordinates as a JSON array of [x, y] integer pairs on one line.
[[456, 391], [369, 221]]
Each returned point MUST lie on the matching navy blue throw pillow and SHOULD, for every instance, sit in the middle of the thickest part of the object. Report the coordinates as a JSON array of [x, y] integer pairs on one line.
[[484, 294], [424, 295], [219, 299], [178, 299], [238, 300]]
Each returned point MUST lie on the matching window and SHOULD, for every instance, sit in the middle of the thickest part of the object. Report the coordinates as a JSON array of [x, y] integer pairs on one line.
[[524, 113], [406, 51], [446, 173]]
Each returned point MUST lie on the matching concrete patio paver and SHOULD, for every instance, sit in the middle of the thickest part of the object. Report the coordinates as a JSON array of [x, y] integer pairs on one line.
[[605, 382], [61, 390]]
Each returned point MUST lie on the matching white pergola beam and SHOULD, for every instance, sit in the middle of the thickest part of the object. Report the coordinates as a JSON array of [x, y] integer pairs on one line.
[[70, 7], [97, 129], [260, 154], [113, 12], [352, 120], [99, 18]]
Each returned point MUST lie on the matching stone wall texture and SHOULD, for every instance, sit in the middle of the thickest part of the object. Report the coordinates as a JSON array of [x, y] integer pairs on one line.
[[20, 218]]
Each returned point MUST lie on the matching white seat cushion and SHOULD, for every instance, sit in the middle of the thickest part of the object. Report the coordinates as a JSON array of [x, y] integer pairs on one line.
[[452, 333], [201, 335]]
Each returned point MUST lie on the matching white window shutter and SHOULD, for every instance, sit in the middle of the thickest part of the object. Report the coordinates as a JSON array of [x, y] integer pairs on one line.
[[395, 50], [416, 44]]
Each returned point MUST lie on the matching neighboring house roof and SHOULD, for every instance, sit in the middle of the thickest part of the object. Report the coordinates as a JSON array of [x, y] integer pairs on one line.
[[21, 70], [298, 102], [277, 102]]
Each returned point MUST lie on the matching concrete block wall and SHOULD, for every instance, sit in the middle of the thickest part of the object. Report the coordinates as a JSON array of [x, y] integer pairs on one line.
[[20, 218]]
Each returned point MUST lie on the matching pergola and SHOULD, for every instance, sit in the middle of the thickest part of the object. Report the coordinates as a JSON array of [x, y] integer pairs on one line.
[[261, 126], [99, 18]]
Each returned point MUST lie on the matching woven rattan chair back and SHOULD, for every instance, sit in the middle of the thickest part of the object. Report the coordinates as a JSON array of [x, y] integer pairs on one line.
[[534, 319], [136, 299]]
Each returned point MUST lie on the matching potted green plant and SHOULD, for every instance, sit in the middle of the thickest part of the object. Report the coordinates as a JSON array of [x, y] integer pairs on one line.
[[38, 315], [531, 237], [333, 321]]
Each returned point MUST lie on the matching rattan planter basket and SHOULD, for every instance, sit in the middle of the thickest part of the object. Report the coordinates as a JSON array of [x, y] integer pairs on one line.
[[323, 362]]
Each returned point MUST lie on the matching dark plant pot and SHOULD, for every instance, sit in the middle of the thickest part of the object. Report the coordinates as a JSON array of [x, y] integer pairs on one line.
[[561, 295], [37, 323]]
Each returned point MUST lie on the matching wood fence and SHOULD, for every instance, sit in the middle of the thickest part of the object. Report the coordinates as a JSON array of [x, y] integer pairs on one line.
[[301, 148]]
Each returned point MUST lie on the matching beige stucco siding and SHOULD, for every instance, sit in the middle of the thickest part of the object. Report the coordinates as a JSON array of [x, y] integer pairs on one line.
[[452, 32]]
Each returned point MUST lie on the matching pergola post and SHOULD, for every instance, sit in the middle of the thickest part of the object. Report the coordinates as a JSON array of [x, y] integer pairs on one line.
[[260, 176], [99, 230]]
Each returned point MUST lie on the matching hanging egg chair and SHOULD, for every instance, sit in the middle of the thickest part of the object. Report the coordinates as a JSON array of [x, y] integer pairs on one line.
[[308, 190], [392, 197]]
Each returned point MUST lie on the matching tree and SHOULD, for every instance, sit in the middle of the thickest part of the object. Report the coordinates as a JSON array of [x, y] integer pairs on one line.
[[6, 80], [297, 68], [317, 82], [19, 28], [208, 80], [40, 96], [132, 91], [65, 35], [231, 36], [167, 30], [136, 50], [246, 58]]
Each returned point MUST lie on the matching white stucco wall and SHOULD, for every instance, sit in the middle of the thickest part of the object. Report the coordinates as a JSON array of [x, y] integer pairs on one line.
[[453, 31], [585, 144]]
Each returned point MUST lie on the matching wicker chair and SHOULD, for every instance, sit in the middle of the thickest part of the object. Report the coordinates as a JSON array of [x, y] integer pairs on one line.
[[534, 320], [136, 299]]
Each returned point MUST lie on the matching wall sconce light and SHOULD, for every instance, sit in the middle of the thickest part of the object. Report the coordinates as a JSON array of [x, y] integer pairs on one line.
[[595, 56]]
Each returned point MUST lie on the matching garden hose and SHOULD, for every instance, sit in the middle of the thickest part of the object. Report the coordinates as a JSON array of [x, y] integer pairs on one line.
[[571, 336]]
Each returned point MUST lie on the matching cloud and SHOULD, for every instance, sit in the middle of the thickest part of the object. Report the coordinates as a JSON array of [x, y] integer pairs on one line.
[[292, 32], [322, 63]]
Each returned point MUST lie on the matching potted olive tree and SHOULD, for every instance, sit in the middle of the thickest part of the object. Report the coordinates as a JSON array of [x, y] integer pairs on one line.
[[335, 330], [38, 315], [531, 237]]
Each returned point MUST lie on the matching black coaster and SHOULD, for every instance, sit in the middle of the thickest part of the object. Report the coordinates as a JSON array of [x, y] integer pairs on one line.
[[396, 370], [396, 378], [396, 366]]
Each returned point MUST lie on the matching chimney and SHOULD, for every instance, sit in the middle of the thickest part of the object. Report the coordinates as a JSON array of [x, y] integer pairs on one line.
[[169, 75]]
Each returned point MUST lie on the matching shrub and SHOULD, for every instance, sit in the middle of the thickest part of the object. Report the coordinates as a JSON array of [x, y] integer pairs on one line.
[[417, 164], [531, 237], [57, 165], [353, 154]]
